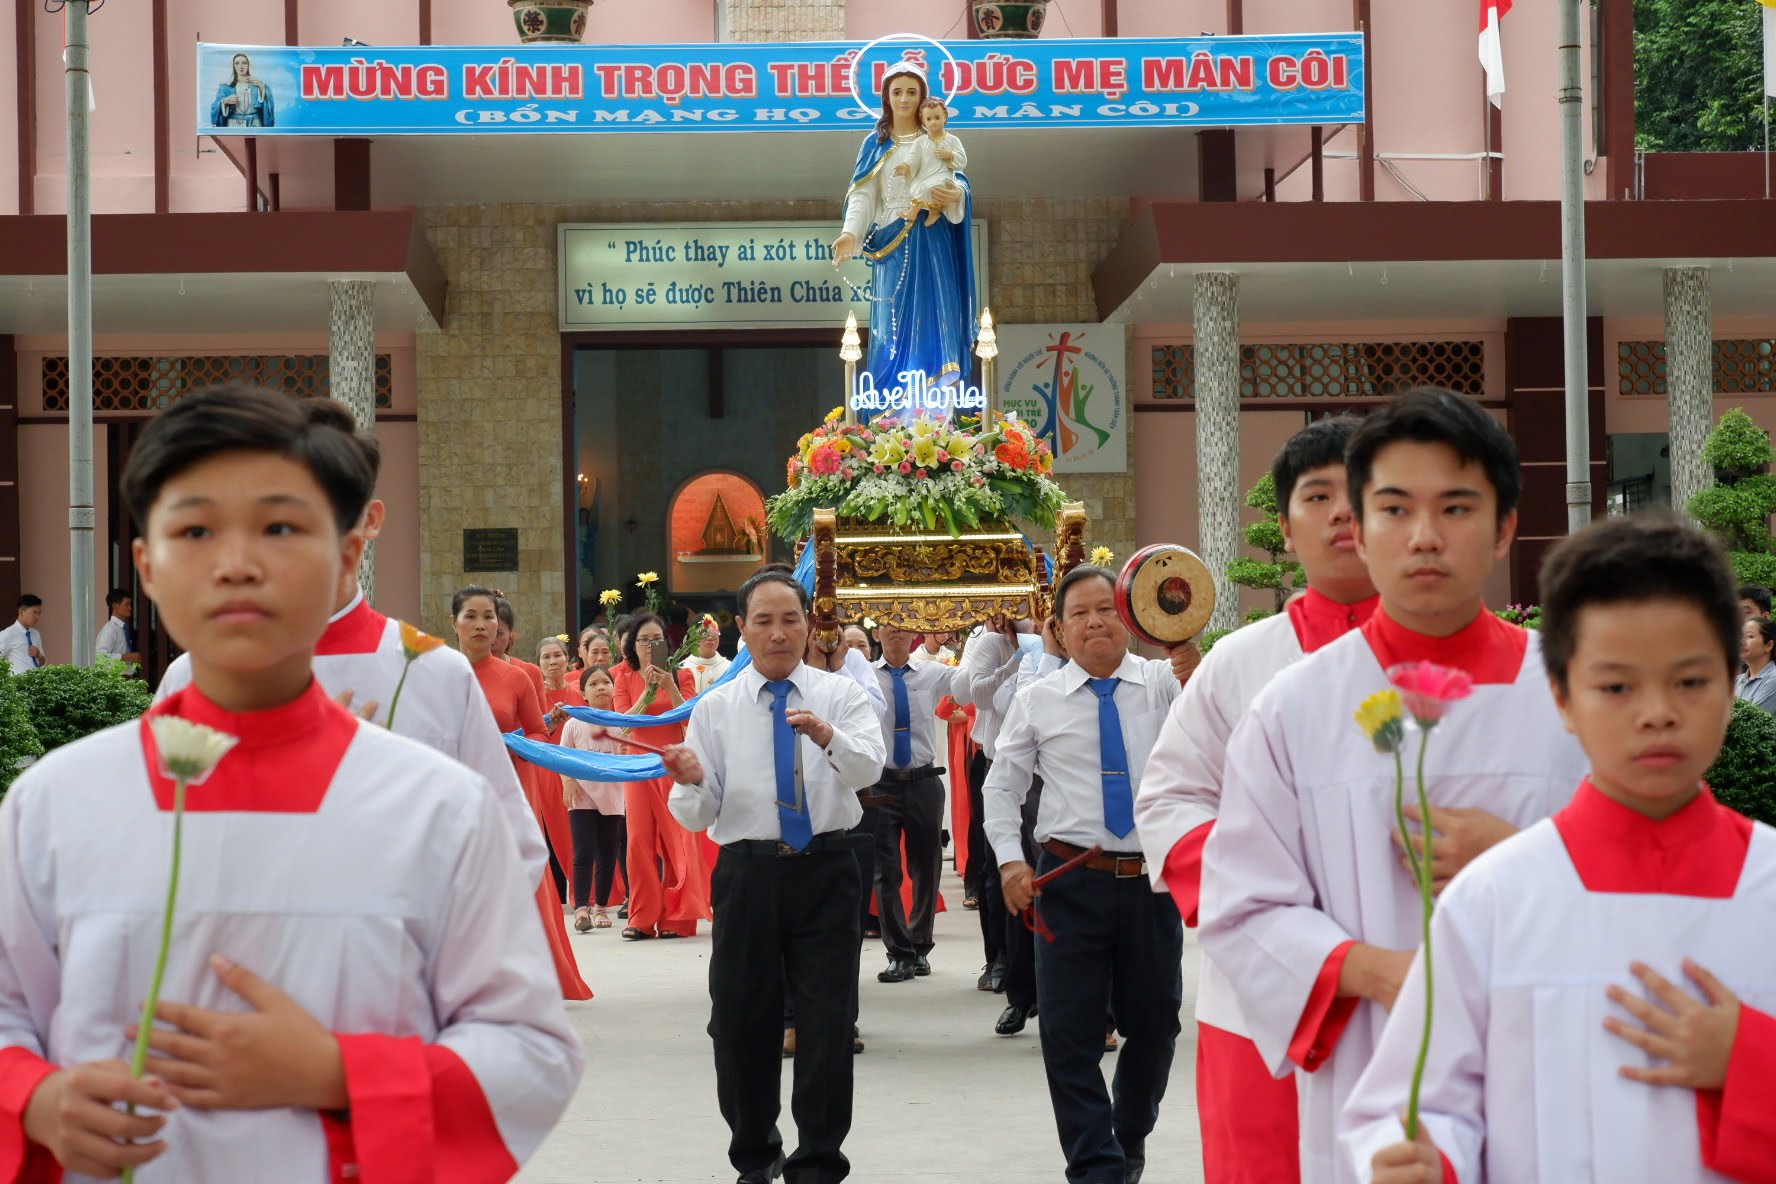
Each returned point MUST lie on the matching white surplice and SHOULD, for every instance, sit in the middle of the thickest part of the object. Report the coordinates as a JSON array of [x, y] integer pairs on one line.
[[368, 877], [1521, 1085], [1300, 862], [1181, 789], [441, 706]]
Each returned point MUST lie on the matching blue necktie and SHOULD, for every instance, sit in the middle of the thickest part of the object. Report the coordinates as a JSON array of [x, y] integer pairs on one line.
[[32, 641], [903, 714], [129, 637], [1119, 795], [792, 817]]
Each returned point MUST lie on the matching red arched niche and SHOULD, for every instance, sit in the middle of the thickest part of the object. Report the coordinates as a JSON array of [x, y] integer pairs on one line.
[[708, 538]]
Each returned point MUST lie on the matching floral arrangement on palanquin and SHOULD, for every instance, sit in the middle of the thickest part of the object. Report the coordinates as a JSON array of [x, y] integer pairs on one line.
[[918, 472]]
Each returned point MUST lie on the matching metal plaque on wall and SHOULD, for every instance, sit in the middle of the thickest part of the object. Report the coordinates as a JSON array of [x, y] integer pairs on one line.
[[490, 548]]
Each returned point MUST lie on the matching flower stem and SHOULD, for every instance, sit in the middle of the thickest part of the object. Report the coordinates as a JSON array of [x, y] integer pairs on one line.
[[1400, 813], [145, 1029], [1424, 890], [396, 700]]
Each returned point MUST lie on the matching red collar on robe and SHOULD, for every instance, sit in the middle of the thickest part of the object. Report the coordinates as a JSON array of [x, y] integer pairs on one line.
[[286, 758], [358, 630], [1698, 851], [1489, 649], [1320, 620]]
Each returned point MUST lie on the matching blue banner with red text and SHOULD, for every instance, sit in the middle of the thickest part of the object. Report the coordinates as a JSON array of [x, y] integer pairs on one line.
[[262, 90]]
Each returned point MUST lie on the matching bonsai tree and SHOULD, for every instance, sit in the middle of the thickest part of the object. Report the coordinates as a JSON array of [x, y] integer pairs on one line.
[[18, 739], [68, 702], [1283, 577], [1743, 776], [1738, 508]]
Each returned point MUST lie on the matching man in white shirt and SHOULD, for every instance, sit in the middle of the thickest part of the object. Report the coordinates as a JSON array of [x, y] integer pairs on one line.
[[934, 648], [21, 645], [997, 660], [785, 885], [117, 637], [1108, 942], [909, 802]]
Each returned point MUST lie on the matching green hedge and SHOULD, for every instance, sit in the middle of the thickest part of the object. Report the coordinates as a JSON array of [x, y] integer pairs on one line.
[[18, 738], [68, 702], [1743, 776]]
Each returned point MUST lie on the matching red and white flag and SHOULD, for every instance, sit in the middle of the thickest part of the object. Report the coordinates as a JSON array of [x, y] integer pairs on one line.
[[1492, 57]]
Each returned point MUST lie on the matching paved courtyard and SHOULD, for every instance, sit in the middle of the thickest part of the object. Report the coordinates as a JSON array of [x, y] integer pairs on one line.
[[940, 1098]]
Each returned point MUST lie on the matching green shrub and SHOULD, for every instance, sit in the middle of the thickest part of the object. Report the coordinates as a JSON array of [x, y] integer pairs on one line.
[[1751, 567], [1743, 776], [68, 702], [1207, 641], [1737, 445], [18, 739]]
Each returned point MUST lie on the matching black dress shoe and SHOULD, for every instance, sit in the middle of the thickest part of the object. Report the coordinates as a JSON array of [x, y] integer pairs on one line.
[[985, 981], [1013, 1019], [1135, 1160], [896, 972], [921, 966], [763, 1175]]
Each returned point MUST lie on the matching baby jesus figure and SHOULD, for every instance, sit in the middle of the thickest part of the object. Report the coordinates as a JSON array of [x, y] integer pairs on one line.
[[936, 157]]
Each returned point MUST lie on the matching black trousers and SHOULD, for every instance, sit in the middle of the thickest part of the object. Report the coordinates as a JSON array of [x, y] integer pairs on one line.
[[864, 848], [601, 845], [785, 922], [980, 860], [915, 811], [1019, 943], [1118, 946]]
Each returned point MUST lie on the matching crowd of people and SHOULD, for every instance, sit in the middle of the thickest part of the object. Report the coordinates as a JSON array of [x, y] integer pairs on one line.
[[364, 948]]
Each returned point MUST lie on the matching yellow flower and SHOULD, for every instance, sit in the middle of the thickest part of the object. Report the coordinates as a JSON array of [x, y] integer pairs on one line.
[[1102, 557], [647, 577], [958, 446], [835, 415], [609, 597], [925, 452], [923, 428], [416, 644], [1383, 720], [189, 751], [841, 446], [888, 452]]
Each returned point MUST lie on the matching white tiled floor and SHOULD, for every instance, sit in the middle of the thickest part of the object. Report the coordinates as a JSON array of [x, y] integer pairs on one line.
[[940, 1098]]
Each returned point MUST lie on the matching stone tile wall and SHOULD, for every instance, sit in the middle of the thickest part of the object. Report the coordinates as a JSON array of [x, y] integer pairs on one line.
[[490, 383], [786, 20]]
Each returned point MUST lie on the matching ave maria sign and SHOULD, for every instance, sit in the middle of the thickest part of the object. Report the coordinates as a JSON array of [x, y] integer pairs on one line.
[[715, 275]]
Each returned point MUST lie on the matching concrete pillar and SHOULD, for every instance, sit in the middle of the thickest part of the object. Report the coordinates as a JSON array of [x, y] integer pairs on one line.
[[783, 20], [1689, 379], [1217, 435], [351, 350]]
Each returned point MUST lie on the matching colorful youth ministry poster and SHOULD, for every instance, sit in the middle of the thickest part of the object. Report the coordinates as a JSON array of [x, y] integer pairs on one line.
[[1070, 383]]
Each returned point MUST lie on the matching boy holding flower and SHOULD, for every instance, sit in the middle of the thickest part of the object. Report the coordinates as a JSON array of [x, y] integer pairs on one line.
[[1307, 905], [356, 985], [1566, 1043]]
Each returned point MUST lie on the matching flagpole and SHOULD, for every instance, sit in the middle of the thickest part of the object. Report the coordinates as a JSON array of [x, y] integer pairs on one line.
[[80, 403], [1572, 272]]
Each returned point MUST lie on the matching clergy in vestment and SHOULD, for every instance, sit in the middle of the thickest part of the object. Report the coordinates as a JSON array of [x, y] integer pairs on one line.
[[1249, 1127], [1307, 905], [786, 883], [1604, 1003], [1109, 943], [708, 663], [355, 983]]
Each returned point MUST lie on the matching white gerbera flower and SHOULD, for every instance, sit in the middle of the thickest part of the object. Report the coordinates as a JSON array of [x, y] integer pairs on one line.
[[189, 751]]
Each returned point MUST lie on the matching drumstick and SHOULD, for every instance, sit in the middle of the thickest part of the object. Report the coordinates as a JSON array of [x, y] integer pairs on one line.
[[1091, 852], [644, 746]]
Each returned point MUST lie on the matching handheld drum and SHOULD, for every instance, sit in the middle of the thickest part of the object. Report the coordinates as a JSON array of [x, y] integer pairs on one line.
[[1165, 594]]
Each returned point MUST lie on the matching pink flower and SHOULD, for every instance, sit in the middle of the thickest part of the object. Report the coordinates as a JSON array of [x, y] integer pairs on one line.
[[1427, 689], [956, 465], [942, 455], [824, 460], [922, 474], [980, 481], [906, 466], [980, 449], [879, 468]]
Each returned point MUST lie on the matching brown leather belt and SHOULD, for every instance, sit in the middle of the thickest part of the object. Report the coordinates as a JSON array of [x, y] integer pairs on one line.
[[918, 774], [1123, 867]]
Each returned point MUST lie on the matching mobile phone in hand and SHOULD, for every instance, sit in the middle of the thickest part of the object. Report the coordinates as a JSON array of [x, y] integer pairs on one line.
[[657, 653]]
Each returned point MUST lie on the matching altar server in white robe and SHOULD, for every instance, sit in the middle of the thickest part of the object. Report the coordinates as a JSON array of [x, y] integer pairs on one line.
[[362, 657], [356, 986], [1307, 905], [1249, 1127], [1605, 987]]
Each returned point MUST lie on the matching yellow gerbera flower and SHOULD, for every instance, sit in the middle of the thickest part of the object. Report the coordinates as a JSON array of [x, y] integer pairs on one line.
[[1102, 557], [609, 597], [1383, 720]]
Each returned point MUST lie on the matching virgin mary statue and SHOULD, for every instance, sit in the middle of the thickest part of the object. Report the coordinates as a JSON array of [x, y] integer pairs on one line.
[[922, 314]]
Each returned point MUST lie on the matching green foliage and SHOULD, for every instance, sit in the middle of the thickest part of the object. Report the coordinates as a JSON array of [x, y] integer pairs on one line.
[[1263, 497], [1731, 513], [1207, 641], [1749, 567], [1250, 573], [68, 702], [1265, 535], [1698, 75], [1743, 776], [1527, 615], [18, 739], [1258, 614], [1738, 445]]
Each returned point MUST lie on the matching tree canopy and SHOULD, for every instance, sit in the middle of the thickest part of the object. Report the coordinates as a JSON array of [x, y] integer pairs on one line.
[[1698, 75]]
